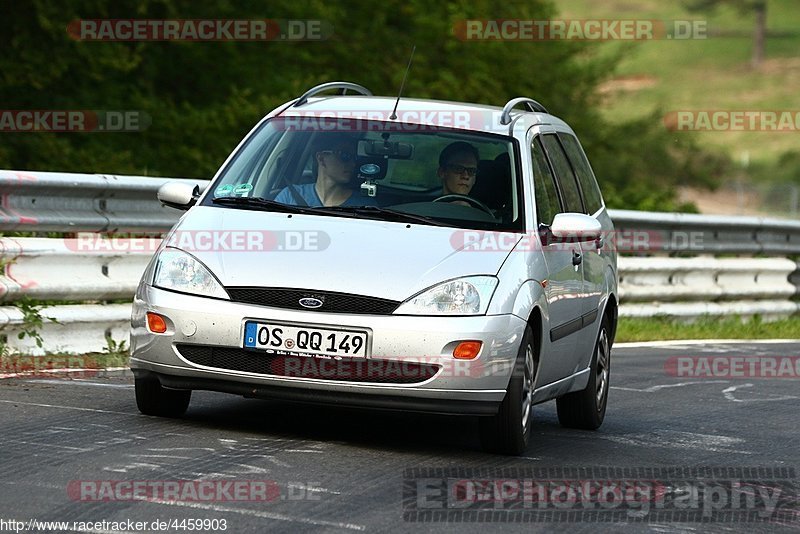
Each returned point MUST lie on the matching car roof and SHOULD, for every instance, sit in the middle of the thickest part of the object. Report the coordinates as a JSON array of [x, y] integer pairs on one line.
[[438, 113]]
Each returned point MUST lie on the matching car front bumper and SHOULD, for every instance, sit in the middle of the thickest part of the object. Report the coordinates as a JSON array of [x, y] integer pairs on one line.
[[458, 386]]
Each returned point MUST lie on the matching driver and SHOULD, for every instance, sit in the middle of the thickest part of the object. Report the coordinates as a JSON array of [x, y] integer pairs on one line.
[[334, 166], [458, 165]]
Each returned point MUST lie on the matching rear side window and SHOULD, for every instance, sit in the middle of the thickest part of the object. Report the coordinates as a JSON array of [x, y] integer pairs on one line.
[[591, 193], [566, 178], [547, 202]]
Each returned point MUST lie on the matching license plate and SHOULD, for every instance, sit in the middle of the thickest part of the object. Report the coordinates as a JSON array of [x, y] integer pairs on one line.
[[283, 338]]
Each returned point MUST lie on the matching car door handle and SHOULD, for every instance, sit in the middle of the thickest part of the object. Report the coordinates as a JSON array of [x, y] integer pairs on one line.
[[577, 258]]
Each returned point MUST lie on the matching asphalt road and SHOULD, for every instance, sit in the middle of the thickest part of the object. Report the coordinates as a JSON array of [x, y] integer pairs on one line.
[[332, 469]]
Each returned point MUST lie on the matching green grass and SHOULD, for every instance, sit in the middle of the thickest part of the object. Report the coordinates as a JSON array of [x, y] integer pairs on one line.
[[708, 74], [662, 328], [114, 359]]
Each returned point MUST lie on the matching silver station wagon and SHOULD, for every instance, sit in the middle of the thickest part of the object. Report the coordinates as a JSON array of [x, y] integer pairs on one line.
[[388, 253]]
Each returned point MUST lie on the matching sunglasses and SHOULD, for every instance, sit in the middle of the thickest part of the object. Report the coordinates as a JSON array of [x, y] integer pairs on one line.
[[460, 169], [343, 155]]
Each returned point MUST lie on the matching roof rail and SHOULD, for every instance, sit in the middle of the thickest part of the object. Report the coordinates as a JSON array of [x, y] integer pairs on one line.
[[530, 103], [344, 86]]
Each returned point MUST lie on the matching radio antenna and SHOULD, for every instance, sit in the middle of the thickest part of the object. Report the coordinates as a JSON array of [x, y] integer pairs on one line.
[[393, 116]]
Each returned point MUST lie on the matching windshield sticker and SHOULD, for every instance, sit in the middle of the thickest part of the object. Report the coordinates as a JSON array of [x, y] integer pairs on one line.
[[223, 190], [242, 189]]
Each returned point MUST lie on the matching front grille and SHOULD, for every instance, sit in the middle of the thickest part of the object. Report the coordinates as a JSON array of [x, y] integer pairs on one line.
[[332, 302], [346, 369]]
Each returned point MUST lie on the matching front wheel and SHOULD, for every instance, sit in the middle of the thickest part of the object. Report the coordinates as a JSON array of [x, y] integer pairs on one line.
[[154, 399], [509, 430], [586, 409]]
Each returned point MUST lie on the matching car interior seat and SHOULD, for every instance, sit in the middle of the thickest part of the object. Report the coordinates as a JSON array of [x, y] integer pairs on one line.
[[493, 185]]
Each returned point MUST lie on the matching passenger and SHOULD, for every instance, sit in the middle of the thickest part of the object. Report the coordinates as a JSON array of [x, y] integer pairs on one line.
[[334, 167], [458, 166]]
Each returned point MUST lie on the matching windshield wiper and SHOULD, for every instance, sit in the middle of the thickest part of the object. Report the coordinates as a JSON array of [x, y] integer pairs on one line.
[[373, 212], [258, 202], [387, 214]]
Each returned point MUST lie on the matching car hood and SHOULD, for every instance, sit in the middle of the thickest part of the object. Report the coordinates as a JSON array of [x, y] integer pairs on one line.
[[366, 257]]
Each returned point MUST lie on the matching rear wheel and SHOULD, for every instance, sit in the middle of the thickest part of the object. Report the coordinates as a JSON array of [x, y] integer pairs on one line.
[[154, 399], [509, 430], [586, 409]]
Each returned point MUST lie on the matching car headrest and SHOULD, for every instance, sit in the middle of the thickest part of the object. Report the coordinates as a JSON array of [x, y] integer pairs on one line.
[[493, 182]]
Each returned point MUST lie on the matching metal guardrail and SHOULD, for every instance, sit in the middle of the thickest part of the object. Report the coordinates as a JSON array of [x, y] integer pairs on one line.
[[705, 279], [78, 328], [63, 202], [61, 270], [66, 270], [692, 287], [707, 234]]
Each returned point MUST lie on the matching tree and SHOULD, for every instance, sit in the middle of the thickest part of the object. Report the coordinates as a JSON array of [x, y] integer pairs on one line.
[[759, 10], [204, 96]]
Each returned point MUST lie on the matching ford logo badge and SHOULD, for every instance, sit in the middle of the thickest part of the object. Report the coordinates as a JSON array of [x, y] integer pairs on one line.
[[370, 169], [310, 302]]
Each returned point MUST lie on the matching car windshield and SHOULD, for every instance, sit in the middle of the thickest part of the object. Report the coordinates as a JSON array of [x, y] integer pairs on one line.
[[387, 171]]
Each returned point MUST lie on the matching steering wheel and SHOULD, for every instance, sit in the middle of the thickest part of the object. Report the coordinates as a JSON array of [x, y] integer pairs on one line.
[[473, 201]]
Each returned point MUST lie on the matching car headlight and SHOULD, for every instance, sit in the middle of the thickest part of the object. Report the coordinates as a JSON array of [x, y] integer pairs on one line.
[[178, 271], [464, 296]]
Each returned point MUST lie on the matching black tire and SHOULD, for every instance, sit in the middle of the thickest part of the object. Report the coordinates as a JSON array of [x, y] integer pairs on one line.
[[586, 409], [508, 431], [153, 399]]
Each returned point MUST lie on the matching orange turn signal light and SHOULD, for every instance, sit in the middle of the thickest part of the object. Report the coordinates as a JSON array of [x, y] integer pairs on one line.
[[467, 350], [156, 323]]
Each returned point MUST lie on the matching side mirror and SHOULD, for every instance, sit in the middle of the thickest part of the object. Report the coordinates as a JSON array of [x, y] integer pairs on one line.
[[575, 227], [178, 195]]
